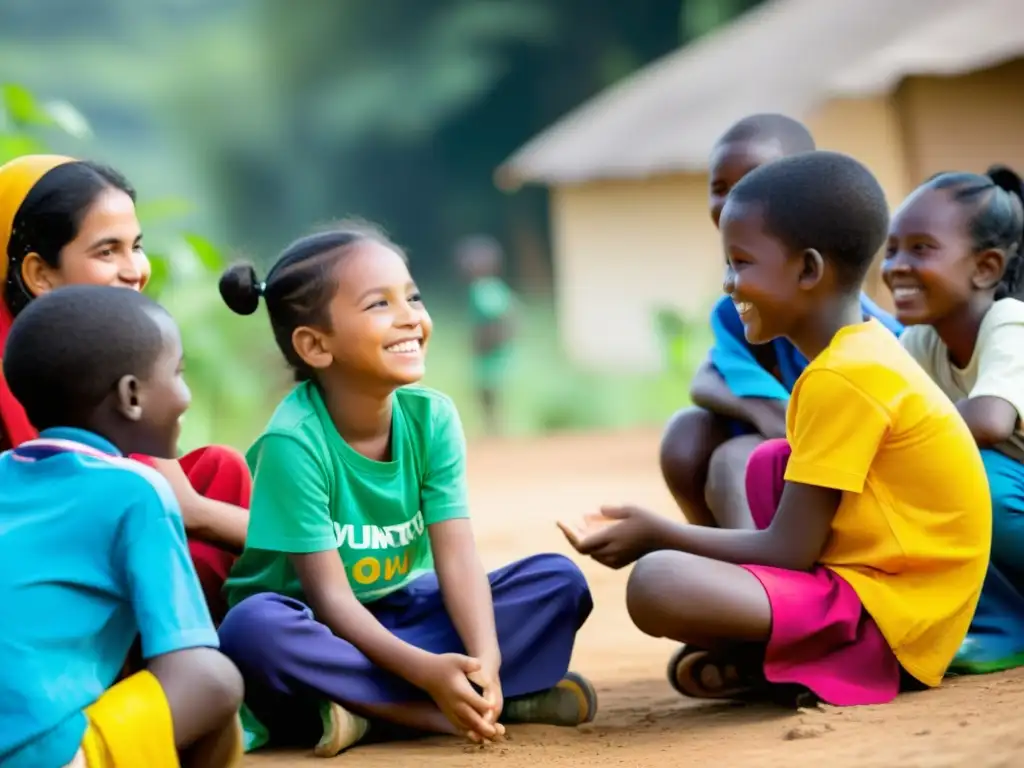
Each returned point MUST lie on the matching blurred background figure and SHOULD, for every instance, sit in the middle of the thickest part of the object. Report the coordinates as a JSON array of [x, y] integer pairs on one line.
[[492, 316]]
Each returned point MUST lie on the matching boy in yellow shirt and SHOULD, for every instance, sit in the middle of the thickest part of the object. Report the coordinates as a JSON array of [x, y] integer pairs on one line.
[[874, 526]]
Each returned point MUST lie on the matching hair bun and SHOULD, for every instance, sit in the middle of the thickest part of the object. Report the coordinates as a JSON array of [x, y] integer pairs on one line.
[[241, 289], [1006, 179]]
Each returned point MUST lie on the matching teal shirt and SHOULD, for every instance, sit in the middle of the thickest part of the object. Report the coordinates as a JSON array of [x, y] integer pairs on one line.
[[92, 555], [313, 492]]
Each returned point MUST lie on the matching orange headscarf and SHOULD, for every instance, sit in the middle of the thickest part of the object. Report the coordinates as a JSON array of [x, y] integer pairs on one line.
[[17, 178]]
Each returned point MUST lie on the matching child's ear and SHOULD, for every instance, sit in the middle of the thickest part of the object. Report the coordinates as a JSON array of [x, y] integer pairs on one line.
[[129, 403], [989, 266], [310, 345], [812, 268]]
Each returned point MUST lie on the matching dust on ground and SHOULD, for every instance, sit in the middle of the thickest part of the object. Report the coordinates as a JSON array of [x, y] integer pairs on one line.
[[518, 489]]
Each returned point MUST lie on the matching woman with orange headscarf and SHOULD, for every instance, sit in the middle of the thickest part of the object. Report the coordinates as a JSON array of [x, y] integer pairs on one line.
[[65, 222]]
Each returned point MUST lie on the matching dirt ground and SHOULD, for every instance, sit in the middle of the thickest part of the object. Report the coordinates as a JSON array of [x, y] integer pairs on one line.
[[518, 490]]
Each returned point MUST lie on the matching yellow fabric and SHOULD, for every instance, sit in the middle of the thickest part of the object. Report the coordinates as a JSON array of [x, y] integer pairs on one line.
[[995, 370], [913, 530], [130, 725], [17, 178]]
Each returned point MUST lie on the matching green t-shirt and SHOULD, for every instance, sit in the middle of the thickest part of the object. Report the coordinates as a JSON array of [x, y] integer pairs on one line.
[[490, 299], [313, 492]]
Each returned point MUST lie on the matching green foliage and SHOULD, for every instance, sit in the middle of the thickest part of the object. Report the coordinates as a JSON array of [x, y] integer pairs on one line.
[[675, 335], [23, 118], [185, 266]]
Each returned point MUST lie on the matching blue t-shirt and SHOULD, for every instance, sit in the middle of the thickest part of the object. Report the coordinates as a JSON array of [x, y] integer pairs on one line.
[[734, 358], [92, 554]]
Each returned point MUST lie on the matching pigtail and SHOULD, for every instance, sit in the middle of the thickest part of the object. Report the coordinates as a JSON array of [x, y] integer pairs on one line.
[[241, 289], [1010, 183]]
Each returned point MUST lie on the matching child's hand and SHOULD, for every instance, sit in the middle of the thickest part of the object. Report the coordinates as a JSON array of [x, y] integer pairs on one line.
[[448, 683], [617, 536], [489, 681]]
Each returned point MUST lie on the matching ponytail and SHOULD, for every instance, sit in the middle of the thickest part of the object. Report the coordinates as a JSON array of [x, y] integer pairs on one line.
[[997, 218], [1010, 183]]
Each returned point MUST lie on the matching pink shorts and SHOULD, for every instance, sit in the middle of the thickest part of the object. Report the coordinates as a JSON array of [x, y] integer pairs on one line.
[[822, 638]]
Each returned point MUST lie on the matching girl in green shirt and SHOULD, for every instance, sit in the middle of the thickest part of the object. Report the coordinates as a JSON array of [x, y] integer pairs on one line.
[[360, 595]]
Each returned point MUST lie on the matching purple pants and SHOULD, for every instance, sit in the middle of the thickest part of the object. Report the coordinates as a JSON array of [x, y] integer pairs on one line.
[[290, 661]]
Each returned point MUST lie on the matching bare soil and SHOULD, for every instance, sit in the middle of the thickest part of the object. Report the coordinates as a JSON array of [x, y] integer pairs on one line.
[[518, 490]]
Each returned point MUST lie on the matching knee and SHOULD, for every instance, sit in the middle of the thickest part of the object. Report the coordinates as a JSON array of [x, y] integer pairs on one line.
[[685, 450], [768, 455], [224, 457], [567, 581], [729, 462], [200, 676], [225, 690], [652, 589], [250, 634]]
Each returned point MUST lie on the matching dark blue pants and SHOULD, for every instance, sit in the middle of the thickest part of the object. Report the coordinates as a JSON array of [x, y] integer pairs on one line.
[[291, 662]]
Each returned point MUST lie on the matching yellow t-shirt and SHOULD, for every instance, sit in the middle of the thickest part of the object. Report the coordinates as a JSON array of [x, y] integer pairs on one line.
[[996, 368], [913, 530]]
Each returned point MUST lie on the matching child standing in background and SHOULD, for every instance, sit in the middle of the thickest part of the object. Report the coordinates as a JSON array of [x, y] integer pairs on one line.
[[873, 520], [492, 315], [955, 270], [93, 551], [360, 594], [740, 393]]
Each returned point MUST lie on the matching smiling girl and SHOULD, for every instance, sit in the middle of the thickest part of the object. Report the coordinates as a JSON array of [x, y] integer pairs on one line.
[[955, 270], [360, 595]]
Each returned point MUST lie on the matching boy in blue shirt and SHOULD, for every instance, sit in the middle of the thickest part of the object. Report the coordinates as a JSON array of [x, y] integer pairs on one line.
[[93, 550], [740, 392]]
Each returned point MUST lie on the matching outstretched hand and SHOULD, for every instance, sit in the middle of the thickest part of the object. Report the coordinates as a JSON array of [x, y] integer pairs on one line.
[[617, 536]]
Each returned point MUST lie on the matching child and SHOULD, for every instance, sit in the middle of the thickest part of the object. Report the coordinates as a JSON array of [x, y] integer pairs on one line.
[[93, 553], [954, 267], [359, 495], [874, 533], [739, 394], [491, 304], [67, 222]]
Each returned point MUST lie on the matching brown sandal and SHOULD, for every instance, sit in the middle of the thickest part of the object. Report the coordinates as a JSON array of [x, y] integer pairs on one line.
[[740, 677]]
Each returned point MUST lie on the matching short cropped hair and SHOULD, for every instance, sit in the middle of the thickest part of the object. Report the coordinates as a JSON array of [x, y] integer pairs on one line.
[[67, 350], [822, 200], [791, 135]]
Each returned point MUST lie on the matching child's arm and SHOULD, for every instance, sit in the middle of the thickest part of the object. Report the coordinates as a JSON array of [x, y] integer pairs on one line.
[[837, 431], [203, 688], [993, 410], [992, 420], [794, 540], [467, 598], [464, 585], [326, 586], [709, 391], [206, 519]]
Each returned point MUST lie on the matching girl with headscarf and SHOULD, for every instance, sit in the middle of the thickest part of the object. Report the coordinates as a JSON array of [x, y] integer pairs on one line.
[[65, 222]]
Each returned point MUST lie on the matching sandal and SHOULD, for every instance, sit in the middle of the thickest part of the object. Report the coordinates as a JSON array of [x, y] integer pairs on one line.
[[686, 674], [740, 677]]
